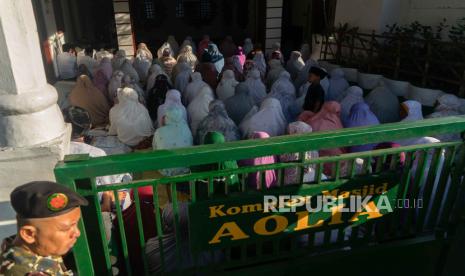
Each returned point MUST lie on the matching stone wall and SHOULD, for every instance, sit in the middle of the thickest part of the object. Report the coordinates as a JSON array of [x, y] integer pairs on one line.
[[371, 15]]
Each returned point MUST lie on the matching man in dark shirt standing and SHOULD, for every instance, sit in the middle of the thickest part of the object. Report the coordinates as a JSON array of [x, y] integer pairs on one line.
[[315, 97]]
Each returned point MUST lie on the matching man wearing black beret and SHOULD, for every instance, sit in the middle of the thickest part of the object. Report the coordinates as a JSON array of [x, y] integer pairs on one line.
[[47, 216], [315, 97]]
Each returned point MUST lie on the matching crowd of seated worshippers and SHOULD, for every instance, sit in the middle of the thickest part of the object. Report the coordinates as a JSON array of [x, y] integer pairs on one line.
[[204, 94]]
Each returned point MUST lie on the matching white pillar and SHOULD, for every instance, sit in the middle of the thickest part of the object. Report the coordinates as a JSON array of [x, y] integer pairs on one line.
[[29, 114], [124, 29], [33, 135]]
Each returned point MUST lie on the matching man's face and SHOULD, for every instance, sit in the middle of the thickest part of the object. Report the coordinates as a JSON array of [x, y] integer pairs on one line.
[[313, 78], [57, 235]]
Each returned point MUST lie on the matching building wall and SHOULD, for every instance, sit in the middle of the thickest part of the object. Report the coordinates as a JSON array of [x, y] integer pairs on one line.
[[362, 13], [371, 15], [218, 28], [433, 11]]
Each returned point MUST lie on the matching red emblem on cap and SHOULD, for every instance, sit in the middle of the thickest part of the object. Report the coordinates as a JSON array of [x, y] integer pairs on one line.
[[57, 202]]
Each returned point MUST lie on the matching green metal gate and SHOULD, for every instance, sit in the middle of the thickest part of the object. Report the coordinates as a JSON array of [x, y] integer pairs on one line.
[[228, 231]]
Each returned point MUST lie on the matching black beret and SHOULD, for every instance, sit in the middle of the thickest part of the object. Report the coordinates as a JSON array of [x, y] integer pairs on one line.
[[44, 199], [318, 71]]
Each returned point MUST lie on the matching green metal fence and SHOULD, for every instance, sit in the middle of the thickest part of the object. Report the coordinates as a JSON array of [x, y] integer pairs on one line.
[[227, 230]]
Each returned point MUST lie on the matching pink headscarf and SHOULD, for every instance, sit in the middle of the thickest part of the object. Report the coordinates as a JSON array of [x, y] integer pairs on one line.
[[240, 54], [328, 118], [270, 175]]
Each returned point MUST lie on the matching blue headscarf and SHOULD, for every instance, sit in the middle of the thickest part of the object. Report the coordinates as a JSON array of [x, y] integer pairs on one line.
[[361, 115], [213, 55]]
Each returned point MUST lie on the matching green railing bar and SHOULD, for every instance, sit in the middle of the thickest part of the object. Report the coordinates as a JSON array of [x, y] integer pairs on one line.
[[415, 189], [395, 158], [337, 171], [396, 217], [189, 177], [102, 231], [177, 228], [318, 173], [140, 230], [193, 191], [428, 186], [148, 161], [302, 158], [353, 166], [158, 225], [451, 198], [81, 245], [122, 233], [441, 187]]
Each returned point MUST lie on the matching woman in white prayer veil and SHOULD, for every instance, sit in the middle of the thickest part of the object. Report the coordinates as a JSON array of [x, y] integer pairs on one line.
[[410, 111], [188, 42], [129, 119], [142, 64], [237, 64], [292, 175], [248, 46], [118, 60], [182, 77], [284, 91], [198, 109], [227, 85], [273, 74], [269, 119], [193, 88], [187, 55], [115, 83], [295, 64], [165, 45], [239, 105], [173, 99], [337, 85], [354, 96], [128, 69], [256, 87], [154, 71], [217, 120], [174, 133], [174, 44], [142, 49], [447, 105], [260, 62], [128, 81]]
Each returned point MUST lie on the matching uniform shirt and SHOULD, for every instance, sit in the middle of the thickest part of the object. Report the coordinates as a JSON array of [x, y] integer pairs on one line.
[[17, 261]]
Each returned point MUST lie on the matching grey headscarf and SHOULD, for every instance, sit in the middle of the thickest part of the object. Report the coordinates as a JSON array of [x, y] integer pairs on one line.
[[384, 105], [240, 104], [217, 120]]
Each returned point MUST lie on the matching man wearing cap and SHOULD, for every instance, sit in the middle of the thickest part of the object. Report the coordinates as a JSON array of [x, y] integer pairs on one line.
[[315, 97], [47, 216]]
